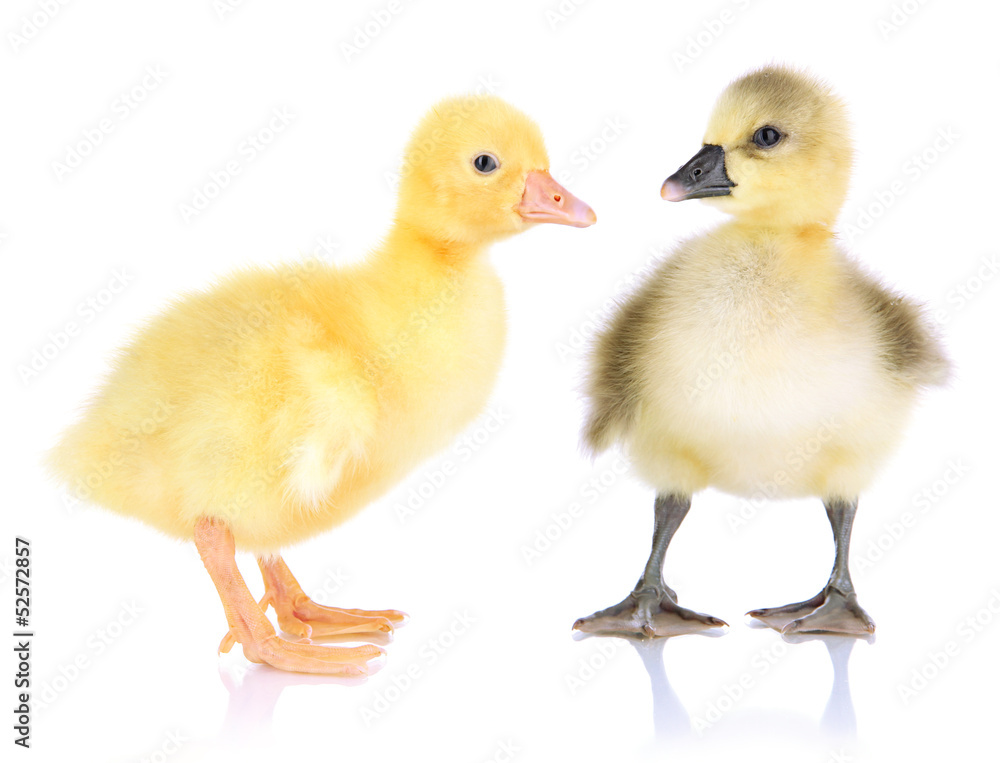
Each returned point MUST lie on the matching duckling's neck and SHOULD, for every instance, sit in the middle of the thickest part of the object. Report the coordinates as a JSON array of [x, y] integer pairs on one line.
[[412, 268], [408, 246]]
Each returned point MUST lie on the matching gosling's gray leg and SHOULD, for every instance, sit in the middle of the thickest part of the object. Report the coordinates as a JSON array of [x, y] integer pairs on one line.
[[835, 609], [651, 609]]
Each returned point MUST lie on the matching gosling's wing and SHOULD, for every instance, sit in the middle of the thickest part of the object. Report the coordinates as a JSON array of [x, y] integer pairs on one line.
[[906, 343], [613, 386]]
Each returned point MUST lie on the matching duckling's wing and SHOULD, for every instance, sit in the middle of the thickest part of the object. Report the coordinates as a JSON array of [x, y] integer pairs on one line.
[[612, 384], [907, 345]]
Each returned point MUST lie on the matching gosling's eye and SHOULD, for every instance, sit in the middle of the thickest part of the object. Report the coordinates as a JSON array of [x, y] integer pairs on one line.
[[767, 136], [485, 164]]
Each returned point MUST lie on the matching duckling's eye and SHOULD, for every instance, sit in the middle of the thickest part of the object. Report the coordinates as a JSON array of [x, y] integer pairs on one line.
[[767, 136], [486, 163]]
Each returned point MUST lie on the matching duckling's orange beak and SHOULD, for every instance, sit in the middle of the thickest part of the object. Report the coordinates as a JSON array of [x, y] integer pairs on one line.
[[545, 201]]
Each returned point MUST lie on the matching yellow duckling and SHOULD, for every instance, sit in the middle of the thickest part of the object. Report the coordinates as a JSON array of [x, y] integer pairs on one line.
[[759, 354], [284, 400]]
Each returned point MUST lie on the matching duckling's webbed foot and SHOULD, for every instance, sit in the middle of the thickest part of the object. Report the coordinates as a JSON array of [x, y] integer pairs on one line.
[[249, 626], [301, 616], [835, 609], [652, 609]]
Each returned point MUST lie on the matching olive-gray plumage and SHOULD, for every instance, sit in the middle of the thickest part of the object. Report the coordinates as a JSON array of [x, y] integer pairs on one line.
[[759, 353]]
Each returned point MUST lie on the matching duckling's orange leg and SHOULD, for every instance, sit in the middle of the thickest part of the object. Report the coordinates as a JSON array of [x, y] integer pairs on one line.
[[299, 614], [835, 609], [652, 609], [250, 627]]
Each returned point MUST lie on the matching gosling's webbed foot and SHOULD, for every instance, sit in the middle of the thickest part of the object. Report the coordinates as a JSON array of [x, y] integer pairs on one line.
[[648, 611], [830, 611], [778, 617]]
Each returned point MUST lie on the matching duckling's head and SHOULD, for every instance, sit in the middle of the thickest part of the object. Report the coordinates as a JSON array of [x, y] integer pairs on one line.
[[777, 151], [476, 171]]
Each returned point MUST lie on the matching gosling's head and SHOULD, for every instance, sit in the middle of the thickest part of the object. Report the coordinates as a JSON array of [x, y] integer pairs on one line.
[[476, 171], [777, 151]]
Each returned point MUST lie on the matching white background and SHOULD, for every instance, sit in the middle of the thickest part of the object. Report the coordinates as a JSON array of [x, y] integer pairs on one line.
[[513, 684]]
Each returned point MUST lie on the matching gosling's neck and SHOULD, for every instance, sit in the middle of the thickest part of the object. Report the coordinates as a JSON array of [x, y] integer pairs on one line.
[[814, 230], [781, 216], [802, 251]]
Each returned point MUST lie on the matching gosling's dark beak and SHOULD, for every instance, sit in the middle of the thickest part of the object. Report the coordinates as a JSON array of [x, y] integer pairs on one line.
[[704, 175]]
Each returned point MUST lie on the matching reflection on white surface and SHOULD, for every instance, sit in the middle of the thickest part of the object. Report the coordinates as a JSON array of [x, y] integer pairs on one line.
[[254, 691], [672, 723], [839, 719], [670, 720]]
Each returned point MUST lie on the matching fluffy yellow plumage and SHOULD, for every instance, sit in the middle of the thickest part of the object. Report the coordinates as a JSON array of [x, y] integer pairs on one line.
[[284, 400]]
